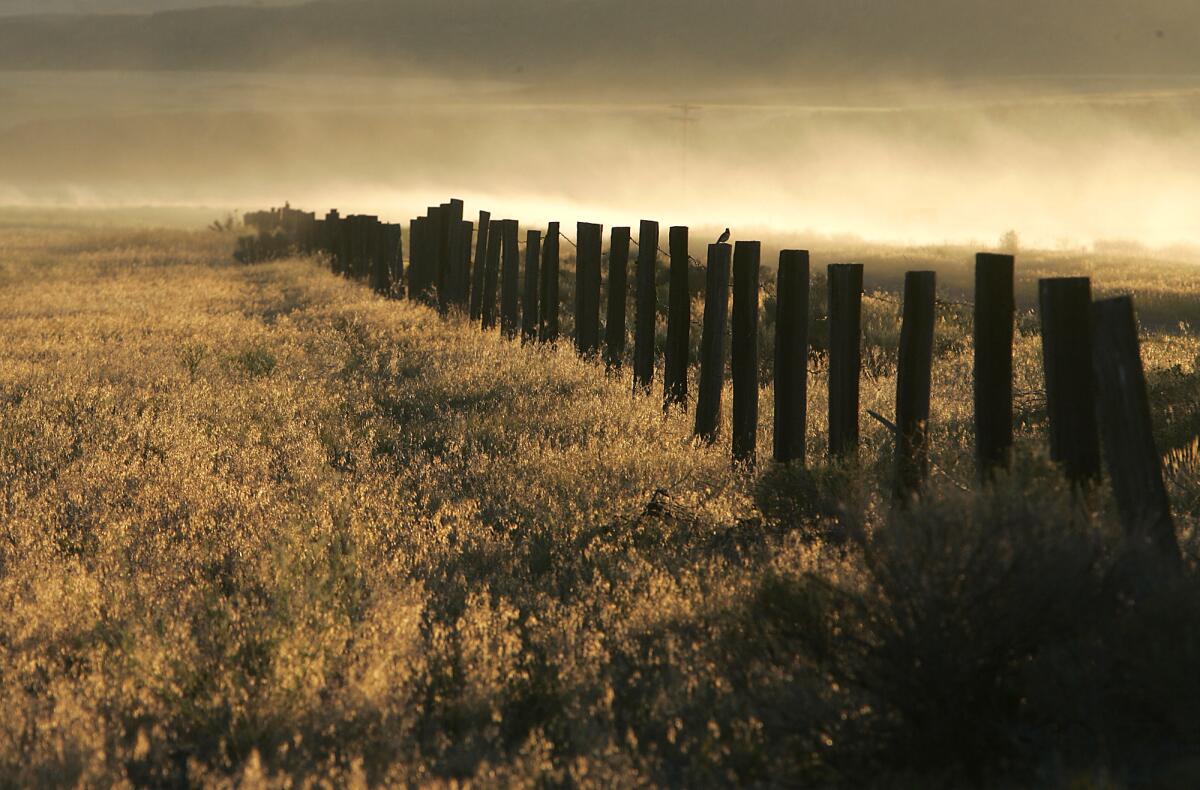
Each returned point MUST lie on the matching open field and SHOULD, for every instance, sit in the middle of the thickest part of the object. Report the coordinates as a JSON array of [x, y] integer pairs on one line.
[[260, 525]]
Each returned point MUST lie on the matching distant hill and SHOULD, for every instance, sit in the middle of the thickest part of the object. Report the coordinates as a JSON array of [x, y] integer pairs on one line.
[[631, 43]]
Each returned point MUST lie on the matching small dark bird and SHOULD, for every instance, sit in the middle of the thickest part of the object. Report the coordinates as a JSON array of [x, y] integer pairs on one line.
[[724, 237]]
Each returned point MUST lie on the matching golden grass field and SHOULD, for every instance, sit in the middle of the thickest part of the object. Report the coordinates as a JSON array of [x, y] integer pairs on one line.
[[260, 527]]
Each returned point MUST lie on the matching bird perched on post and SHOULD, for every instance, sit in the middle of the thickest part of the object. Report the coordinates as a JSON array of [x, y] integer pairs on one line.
[[724, 237]]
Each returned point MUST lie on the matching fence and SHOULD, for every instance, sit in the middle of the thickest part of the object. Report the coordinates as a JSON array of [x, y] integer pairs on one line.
[[1095, 384]]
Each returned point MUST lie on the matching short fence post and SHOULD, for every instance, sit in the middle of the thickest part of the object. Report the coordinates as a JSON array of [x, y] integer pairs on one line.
[[1066, 307], [845, 356], [341, 261], [431, 258], [646, 307], [477, 272], [1125, 425], [791, 356], [590, 241], [462, 287], [744, 350], [381, 273], [510, 281], [394, 249], [416, 245], [995, 309], [679, 320], [529, 301], [491, 275], [914, 371], [618, 293], [548, 329], [712, 342]]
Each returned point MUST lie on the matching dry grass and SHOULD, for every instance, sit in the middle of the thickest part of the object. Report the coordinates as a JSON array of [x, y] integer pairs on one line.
[[262, 527]]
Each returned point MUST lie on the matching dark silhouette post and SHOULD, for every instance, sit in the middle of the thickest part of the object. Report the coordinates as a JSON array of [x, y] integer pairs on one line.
[[510, 280], [491, 277], [845, 356], [679, 319], [712, 342], [590, 241], [548, 329], [995, 308], [791, 356], [477, 272], [646, 307], [1126, 428], [618, 291], [744, 350], [914, 372], [529, 300], [1066, 307]]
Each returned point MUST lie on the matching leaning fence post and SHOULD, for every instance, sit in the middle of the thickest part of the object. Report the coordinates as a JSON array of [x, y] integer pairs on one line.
[[995, 308], [646, 307], [1065, 304], [529, 301], [548, 329], [679, 320], [1125, 425], [791, 356], [590, 241], [845, 355], [914, 372], [510, 281], [712, 342], [477, 272], [744, 350], [618, 290], [491, 277]]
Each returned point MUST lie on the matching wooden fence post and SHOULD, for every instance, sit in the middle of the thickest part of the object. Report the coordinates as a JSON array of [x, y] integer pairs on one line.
[[548, 329], [491, 276], [646, 308], [510, 281], [477, 272], [845, 355], [995, 309], [1065, 304], [590, 241], [618, 294], [1125, 425], [448, 292], [341, 261], [462, 288], [529, 302], [744, 350], [394, 246], [416, 243], [791, 356], [914, 372], [679, 320], [381, 273], [712, 342]]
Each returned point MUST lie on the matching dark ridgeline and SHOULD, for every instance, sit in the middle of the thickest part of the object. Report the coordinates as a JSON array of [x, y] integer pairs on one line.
[[548, 319], [712, 342], [589, 238], [491, 275], [744, 350], [481, 246], [529, 298], [995, 310], [845, 356], [791, 356], [618, 294], [1065, 304], [1134, 464], [510, 280], [679, 320], [914, 378], [646, 307]]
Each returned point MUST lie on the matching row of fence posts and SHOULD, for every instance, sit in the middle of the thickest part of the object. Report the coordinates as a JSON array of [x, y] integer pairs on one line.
[[1095, 383]]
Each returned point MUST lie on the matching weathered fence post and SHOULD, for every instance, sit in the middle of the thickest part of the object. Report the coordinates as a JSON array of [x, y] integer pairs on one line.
[[712, 342], [548, 330], [529, 301], [381, 274], [679, 320], [462, 288], [744, 350], [416, 244], [618, 292], [791, 356], [914, 372], [1125, 425], [510, 281], [481, 246], [590, 241], [491, 276], [995, 308], [845, 355], [1066, 307], [646, 308], [394, 249], [341, 261]]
